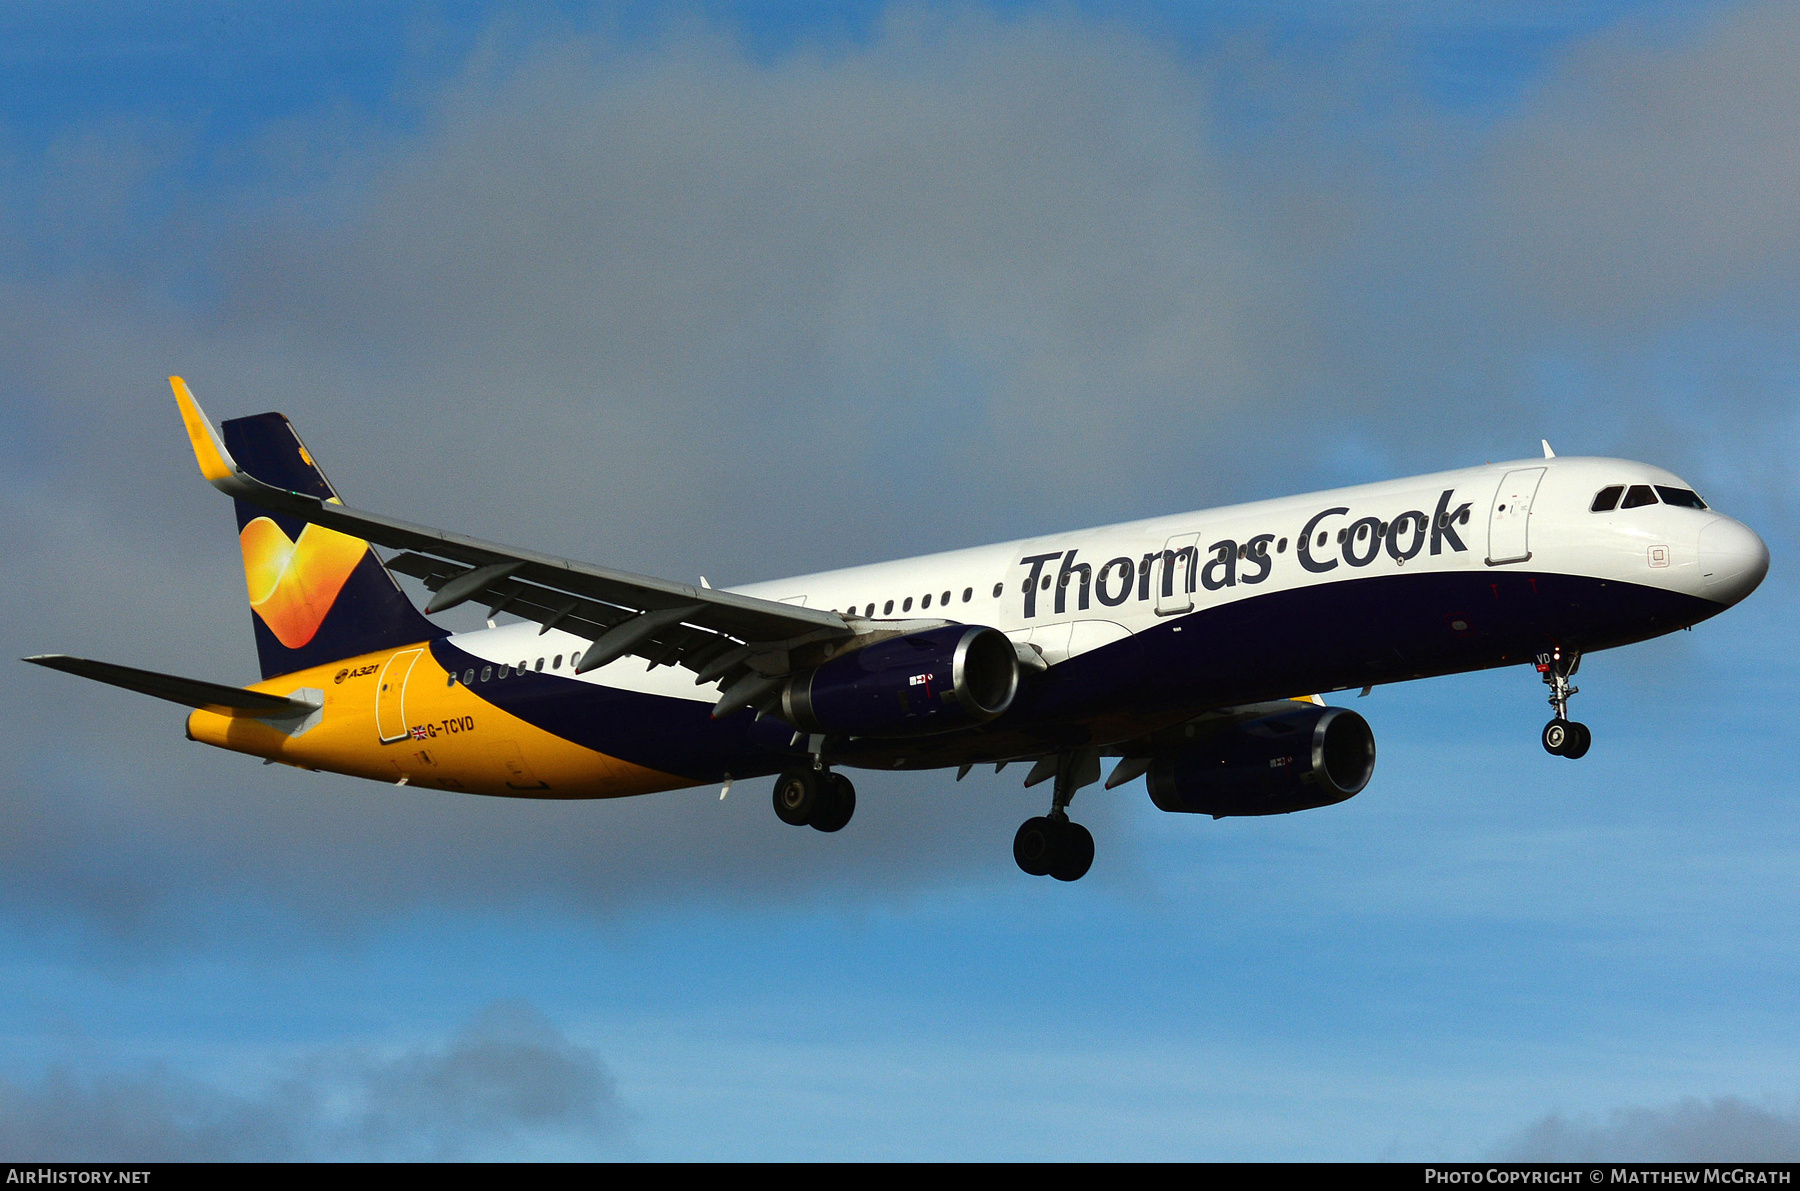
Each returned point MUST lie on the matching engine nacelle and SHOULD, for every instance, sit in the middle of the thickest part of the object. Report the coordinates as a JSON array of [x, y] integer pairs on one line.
[[1281, 763], [936, 680]]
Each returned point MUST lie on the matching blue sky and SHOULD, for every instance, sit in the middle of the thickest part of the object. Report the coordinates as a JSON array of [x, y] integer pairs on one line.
[[745, 290]]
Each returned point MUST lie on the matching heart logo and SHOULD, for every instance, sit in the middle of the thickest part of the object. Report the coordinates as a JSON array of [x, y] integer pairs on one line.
[[293, 584]]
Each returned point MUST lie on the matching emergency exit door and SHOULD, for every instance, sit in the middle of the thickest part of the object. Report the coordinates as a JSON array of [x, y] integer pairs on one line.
[[1174, 574]]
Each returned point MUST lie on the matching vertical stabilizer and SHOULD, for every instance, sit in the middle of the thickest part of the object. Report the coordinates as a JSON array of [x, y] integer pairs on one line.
[[318, 595]]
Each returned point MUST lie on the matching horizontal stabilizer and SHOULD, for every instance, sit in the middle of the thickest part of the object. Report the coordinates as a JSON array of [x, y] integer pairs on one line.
[[189, 692]]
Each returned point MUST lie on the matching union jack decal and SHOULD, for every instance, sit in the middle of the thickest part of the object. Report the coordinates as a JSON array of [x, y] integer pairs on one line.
[[419, 733]]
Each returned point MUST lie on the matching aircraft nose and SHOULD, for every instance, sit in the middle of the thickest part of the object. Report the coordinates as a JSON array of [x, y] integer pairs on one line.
[[1733, 560]]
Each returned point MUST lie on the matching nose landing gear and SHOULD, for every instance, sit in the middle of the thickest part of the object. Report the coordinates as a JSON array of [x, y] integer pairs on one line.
[[1562, 736], [816, 798]]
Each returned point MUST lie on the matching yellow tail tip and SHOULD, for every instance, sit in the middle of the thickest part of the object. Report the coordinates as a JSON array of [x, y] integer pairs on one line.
[[215, 461]]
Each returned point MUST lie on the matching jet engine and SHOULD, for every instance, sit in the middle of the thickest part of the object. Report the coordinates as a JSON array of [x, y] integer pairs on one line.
[[935, 680], [1293, 761]]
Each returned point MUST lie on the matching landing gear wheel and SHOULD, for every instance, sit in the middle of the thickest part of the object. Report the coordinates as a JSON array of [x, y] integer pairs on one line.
[[798, 795], [837, 804], [1046, 847], [1566, 738], [1076, 855], [1035, 846]]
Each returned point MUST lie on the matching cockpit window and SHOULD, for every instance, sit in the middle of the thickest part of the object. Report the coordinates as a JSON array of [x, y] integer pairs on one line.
[[1608, 499], [1638, 495], [1681, 498]]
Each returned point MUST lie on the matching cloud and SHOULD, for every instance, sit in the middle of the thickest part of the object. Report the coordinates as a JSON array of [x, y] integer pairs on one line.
[[856, 287], [510, 1071], [1651, 176], [508, 1080], [1726, 1129]]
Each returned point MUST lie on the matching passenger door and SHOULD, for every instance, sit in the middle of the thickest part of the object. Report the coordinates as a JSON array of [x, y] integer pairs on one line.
[[390, 696], [1510, 518]]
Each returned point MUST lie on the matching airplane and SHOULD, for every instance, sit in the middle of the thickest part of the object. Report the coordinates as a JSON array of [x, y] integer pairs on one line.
[[1186, 647]]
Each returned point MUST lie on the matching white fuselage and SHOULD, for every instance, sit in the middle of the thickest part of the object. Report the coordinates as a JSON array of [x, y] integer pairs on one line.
[[1095, 587]]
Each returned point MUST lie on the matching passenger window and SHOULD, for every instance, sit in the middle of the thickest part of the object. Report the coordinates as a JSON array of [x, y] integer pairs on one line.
[[557, 664], [540, 665], [968, 594], [504, 671], [1638, 496], [452, 679], [1607, 499], [887, 609], [907, 606], [998, 588], [1681, 498], [926, 602], [946, 598], [468, 678], [869, 611], [487, 672]]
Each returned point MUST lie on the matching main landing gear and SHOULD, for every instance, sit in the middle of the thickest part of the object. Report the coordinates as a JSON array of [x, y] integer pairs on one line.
[[806, 796], [1563, 737], [1051, 845], [1054, 846]]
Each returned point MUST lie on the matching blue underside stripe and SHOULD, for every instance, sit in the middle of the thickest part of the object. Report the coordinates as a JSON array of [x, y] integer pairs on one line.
[[1326, 637]]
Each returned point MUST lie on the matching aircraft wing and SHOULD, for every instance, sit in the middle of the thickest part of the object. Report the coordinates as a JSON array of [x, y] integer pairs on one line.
[[717, 634], [189, 692]]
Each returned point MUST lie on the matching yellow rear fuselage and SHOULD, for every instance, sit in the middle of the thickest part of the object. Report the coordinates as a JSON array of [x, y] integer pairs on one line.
[[398, 716]]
